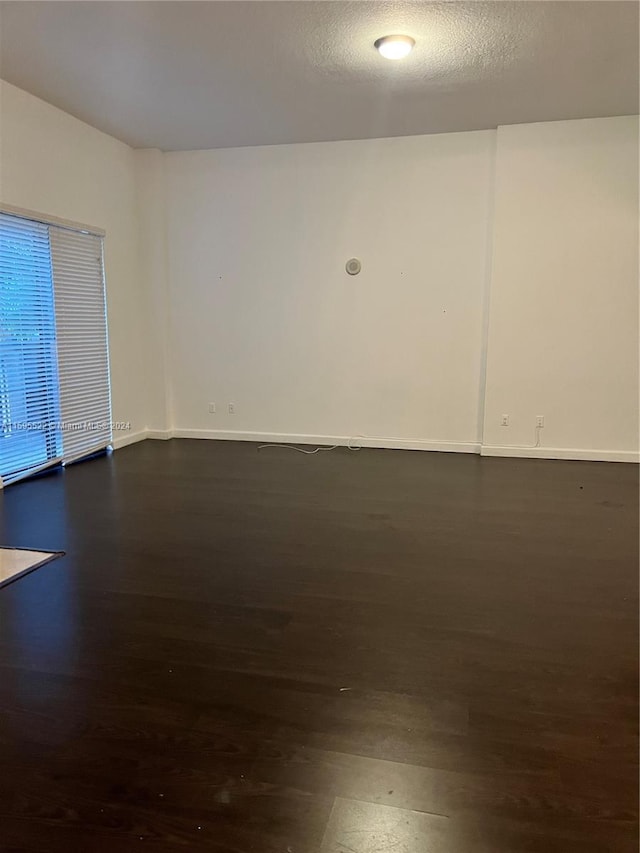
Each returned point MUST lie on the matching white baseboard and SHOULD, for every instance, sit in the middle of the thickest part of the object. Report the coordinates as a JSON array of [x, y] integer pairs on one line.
[[383, 442], [560, 453], [329, 440], [128, 438], [141, 435], [160, 434]]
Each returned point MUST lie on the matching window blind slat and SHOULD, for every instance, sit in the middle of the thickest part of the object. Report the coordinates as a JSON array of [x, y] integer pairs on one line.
[[30, 437], [83, 361]]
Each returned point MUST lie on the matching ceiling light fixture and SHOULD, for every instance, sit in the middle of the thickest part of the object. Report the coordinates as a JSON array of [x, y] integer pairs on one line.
[[394, 47]]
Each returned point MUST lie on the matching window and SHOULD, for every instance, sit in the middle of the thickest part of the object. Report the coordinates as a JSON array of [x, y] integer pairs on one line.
[[54, 374]]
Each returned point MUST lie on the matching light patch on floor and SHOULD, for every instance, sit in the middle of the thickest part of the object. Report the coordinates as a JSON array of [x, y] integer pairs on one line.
[[360, 827], [18, 561]]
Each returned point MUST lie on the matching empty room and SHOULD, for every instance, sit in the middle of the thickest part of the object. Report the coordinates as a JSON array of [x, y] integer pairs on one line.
[[319, 426]]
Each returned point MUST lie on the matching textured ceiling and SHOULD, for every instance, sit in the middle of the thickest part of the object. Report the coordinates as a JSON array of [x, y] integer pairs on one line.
[[182, 75]]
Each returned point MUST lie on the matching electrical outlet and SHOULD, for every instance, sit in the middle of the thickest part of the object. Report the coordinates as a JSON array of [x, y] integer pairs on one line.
[[232, 408], [504, 420], [212, 408], [540, 421]]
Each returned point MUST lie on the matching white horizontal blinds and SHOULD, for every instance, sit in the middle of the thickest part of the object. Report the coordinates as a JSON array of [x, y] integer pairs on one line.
[[29, 405], [83, 360]]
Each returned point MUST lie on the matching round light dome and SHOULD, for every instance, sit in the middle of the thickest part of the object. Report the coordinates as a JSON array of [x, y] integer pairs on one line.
[[394, 47]]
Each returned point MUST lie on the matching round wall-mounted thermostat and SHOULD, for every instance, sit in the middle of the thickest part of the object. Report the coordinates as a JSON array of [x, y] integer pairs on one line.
[[353, 266]]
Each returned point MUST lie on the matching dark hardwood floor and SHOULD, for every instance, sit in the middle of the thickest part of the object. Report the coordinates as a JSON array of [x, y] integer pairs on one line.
[[383, 651]]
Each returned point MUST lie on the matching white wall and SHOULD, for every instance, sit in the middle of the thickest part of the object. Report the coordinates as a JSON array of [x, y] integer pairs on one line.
[[226, 283], [152, 256], [263, 314], [563, 337], [54, 164]]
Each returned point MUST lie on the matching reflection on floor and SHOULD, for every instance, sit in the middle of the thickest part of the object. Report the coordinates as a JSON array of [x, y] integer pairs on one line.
[[362, 827], [17, 561]]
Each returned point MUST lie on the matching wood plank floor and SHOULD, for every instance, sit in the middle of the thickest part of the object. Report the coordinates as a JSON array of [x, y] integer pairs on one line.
[[371, 652]]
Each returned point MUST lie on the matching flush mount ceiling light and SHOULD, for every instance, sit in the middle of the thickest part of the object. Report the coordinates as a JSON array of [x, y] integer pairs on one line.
[[394, 47]]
